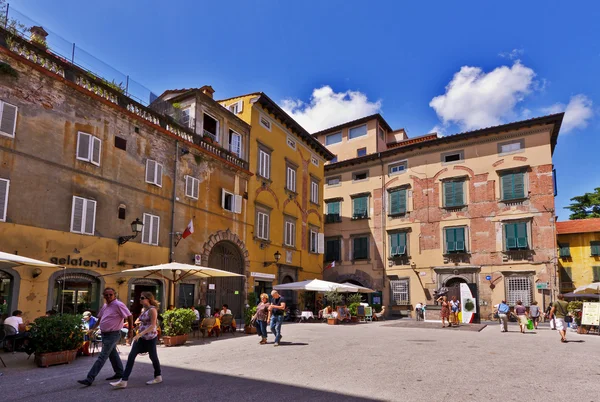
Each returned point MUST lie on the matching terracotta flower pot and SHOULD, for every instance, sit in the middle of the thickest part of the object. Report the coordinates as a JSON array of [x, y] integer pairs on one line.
[[175, 340], [53, 358], [332, 321], [250, 329]]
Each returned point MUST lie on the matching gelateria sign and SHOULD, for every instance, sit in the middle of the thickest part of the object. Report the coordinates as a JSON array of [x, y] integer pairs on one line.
[[78, 262]]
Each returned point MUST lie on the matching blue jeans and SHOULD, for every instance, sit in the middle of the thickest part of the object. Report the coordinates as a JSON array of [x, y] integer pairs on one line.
[[261, 328], [142, 346], [276, 321], [109, 351]]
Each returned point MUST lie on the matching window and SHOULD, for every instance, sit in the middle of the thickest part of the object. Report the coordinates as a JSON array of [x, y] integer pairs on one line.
[[381, 133], [564, 250], [518, 288], [361, 152], [291, 143], [399, 292], [455, 240], [211, 127], [4, 184], [122, 211], [454, 193], [231, 202], [397, 168], [191, 187], [264, 162], [333, 181], [333, 138], [333, 249], [290, 178], [333, 212], [511, 147], [237, 107], [360, 248], [398, 244], [289, 233], [515, 236], [314, 192], [313, 240], [360, 176], [235, 143], [262, 225], [360, 207], [150, 230], [314, 161], [266, 123], [513, 186], [185, 117], [595, 274], [8, 119], [450, 157], [83, 216], [120, 143], [566, 278], [154, 172], [397, 201], [334, 159], [88, 148], [595, 246], [356, 132]]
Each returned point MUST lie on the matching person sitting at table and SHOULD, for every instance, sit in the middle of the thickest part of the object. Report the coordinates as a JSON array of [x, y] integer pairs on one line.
[[196, 312], [16, 321], [224, 310], [343, 314], [88, 322]]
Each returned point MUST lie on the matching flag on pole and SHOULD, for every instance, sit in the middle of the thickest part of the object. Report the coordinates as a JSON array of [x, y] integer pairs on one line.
[[330, 265], [189, 229]]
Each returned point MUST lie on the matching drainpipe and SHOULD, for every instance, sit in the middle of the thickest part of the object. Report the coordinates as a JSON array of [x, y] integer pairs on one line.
[[172, 233], [383, 235]]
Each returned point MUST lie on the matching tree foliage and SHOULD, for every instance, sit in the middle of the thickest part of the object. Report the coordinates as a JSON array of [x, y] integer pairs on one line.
[[585, 206]]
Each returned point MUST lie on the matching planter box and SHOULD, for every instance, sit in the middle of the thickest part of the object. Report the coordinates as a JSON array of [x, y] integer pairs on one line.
[[354, 318], [53, 358], [175, 340], [250, 329], [332, 321]]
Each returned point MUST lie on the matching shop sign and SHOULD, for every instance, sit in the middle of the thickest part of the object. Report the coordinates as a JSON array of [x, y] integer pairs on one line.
[[78, 262], [541, 285], [261, 275]]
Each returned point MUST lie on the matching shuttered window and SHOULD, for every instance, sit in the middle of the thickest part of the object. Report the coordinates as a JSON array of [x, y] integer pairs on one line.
[[154, 171], [397, 202], [4, 185], [191, 187], [595, 274], [289, 233], [360, 248], [290, 179], [8, 119], [235, 143], [262, 225], [231, 202], [595, 246], [515, 235], [313, 241], [454, 193], [455, 240], [333, 250], [83, 216], [564, 250], [398, 242], [264, 163], [88, 148], [513, 186], [314, 192], [333, 212], [151, 228], [360, 207]]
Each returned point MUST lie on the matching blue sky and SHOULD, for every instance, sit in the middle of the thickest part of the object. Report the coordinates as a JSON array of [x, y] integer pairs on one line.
[[431, 65]]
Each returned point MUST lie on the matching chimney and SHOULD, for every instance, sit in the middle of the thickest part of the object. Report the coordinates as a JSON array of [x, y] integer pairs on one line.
[[38, 35], [208, 91]]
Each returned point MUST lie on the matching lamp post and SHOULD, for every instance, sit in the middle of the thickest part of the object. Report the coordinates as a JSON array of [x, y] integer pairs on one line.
[[277, 256], [136, 227]]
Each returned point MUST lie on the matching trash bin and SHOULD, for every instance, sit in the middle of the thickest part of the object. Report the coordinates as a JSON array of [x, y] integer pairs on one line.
[[207, 311]]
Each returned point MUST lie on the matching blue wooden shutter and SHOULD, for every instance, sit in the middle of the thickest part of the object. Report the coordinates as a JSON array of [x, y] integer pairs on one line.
[[450, 240], [511, 236], [393, 244], [507, 187], [402, 201], [460, 239], [448, 194], [395, 202], [521, 229], [402, 243], [458, 193]]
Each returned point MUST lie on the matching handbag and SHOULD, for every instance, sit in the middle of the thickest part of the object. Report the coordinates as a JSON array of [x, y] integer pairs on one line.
[[568, 318], [530, 324]]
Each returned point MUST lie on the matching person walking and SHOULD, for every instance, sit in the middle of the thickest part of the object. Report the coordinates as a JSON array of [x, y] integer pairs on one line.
[[276, 310], [261, 316], [144, 341], [110, 321], [549, 317], [445, 313], [521, 312], [558, 314], [503, 311], [534, 313], [454, 309], [418, 311]]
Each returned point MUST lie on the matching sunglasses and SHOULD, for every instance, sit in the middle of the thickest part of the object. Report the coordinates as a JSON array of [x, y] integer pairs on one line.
[[142, 298], [109, 294]]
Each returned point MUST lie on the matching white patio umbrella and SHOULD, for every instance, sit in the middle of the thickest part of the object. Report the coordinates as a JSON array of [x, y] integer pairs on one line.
[[315, 285], [12, 260], [592, 288], [357, 289]]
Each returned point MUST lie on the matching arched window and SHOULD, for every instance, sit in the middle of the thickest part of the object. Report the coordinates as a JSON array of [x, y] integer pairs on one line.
[[75, 293]]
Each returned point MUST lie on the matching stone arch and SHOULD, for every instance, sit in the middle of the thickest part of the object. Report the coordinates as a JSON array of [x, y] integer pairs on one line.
[[292, 201], [16, 286], [65, 271], [466, 169], [314, 211], [268, 190], [225, 235], [358, 276], [444, 170]]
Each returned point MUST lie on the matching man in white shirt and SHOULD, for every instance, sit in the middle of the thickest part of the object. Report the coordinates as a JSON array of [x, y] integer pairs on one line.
[[196, 312], [225, 310], [418, 311], [15, 320]]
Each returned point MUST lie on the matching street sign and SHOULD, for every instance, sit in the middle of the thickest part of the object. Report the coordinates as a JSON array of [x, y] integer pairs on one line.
[[541, 285], [488, 277]]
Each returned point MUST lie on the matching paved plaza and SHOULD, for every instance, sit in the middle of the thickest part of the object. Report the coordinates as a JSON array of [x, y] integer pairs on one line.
[[368, 362]]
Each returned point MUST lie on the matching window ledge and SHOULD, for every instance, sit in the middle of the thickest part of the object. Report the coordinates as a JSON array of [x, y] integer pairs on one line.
[[358, 218], [291, 192], [360, 259], [264, 179], [454, 208], [256, 238], [456, 253], [290, 248], [398, 214], [515, 201], [315, 204]]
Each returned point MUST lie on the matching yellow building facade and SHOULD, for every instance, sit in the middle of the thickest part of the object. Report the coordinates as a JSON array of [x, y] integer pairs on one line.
[[285, 196], [578, 253]]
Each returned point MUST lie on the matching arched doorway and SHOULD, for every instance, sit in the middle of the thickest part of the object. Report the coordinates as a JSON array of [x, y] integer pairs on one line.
[[453, 285], [139, 285], [364, 296], [75, 293], [227, 257]]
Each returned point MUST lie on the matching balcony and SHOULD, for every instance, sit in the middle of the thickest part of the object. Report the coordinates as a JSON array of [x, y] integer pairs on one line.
[[358, 216], [457, 258], [333, 218], [517, 255], [567, 286]]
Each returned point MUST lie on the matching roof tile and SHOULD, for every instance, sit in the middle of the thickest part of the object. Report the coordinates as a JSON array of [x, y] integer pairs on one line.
[[578, 226]]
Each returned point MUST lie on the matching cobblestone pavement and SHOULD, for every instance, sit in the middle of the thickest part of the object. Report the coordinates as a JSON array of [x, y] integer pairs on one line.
[[317, 362]]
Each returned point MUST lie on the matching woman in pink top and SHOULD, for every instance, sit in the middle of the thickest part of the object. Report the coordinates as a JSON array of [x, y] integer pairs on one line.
[[144, 341]]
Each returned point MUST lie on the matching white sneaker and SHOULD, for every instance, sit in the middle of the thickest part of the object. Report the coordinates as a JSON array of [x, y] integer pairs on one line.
[[119, 384], [156, 380]]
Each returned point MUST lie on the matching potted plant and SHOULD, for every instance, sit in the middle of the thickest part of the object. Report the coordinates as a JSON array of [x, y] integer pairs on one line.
[[353, 302], [55, 339], [334, 298], [177, 324]]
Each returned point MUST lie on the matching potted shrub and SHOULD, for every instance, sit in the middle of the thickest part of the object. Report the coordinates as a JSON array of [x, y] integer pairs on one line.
[[177, 324], [55, 339], [353, 302]]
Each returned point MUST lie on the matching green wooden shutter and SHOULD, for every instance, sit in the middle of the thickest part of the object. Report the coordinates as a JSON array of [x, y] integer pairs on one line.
[[507, 187], [450, 240], [565, 250], [360, 206], [519, 185], [460, 239], [395, 202], [510, 236], [458, 193], [402, 201], [522, 235], [448, 194], [393, 244], [595, 274], [402, 243], [595, 246]]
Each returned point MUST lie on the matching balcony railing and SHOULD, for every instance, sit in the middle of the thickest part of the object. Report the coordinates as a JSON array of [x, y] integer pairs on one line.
[[517, 255], [333, 218], [88, 81]]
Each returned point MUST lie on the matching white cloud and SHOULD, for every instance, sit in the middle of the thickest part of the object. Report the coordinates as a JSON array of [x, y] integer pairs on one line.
[[327, 108], [513, 54], [577, 113], [475, 99]]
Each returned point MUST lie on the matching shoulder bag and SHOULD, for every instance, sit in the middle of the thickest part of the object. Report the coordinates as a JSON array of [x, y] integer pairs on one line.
[[567, 318]]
